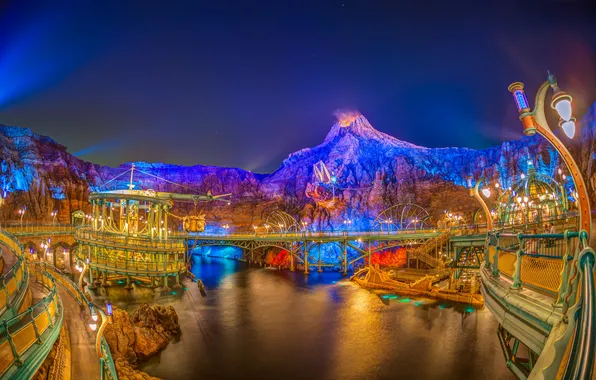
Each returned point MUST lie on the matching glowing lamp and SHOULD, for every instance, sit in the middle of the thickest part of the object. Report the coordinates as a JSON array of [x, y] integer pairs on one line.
[[497, 185], [93, 325], [523, 176], [568, 127], [109, 308], [486, 192], [526, 199], [519, 199], [562, 103], [93, 314], [520, 99]]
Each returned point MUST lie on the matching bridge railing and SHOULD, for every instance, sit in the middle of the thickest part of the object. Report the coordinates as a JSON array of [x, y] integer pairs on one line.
[[14, 282], [580, 363], [565, 222], [540, 261], [37, 228], [309, 235], [19, 335]]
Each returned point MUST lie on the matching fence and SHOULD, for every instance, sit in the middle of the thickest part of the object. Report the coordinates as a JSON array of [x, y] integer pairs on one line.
[[539, 261], [19, 334], [14, 282]]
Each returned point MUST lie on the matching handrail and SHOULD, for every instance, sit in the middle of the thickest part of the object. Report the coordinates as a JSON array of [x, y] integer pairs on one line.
[[14, 281], [37, 325], [22, 340], [580, 363]]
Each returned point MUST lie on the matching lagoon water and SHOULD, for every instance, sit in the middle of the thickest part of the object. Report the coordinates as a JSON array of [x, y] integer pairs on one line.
[[259, 323]]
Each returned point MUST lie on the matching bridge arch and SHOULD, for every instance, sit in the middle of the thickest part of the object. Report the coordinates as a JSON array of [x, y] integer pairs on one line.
[[281, 222], [402, 216]]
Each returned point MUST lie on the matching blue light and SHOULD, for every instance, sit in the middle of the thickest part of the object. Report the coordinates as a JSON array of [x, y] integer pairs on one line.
[[389, 296], [520, 99]]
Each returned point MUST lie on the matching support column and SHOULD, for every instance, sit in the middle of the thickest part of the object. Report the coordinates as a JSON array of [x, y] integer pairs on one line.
[[345, 271], [319, 259], [165, 223], [128, 284], [305, 259]]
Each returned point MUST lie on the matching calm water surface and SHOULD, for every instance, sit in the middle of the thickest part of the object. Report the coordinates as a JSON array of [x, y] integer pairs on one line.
[[263, 324]]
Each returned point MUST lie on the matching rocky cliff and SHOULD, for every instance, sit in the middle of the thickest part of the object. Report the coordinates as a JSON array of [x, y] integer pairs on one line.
[[370, 170]]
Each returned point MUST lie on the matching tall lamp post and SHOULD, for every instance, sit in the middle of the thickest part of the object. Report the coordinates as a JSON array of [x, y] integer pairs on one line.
[[534, 121], [486, 192], [106, 317], [22, 213]]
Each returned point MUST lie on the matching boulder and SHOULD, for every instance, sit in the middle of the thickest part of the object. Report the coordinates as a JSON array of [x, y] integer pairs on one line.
[[137, 337]]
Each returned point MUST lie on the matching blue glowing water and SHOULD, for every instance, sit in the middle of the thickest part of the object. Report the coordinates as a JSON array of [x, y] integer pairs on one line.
[[259, 323]]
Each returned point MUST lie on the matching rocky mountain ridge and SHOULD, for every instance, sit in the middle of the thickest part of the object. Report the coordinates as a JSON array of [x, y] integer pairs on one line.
[[373, 171]]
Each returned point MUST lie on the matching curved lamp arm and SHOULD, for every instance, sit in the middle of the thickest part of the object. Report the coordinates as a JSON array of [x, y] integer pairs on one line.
[[534, 121], [474, 193]]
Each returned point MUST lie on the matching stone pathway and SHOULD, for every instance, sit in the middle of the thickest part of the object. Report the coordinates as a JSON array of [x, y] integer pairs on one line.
[[85, 363]]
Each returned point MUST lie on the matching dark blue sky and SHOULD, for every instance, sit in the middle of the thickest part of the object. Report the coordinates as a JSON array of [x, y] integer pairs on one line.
[[246, 83]]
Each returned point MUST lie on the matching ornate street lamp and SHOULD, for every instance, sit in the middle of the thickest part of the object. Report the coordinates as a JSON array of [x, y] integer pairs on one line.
[[534, 121], [486, 192]]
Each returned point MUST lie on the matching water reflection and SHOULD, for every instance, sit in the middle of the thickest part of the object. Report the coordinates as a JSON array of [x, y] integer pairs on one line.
[[267, 324]]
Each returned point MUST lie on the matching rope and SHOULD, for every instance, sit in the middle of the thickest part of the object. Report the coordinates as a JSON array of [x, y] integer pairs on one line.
[[168, 181], [119, 175]]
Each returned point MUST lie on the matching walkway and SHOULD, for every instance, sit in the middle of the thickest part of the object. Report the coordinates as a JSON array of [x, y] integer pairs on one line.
[[84, 358]]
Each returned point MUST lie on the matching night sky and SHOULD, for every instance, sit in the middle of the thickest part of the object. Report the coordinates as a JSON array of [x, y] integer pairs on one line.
[[244, 84]]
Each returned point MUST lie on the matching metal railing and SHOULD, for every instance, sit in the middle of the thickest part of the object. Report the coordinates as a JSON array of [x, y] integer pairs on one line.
[[580, 363], [540, 261], [14, 282], [135, 243], [161, 267], [41, 229], [19, 335]]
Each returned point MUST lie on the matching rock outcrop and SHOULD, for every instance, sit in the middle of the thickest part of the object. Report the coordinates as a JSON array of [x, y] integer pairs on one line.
[[137, 337]]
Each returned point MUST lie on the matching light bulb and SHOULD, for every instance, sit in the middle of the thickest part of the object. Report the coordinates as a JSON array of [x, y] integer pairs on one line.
[[486, 192], [569, 128], [563, 108]]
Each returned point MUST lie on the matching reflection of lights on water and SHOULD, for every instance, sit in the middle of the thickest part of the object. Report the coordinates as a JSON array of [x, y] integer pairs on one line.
[[174, 293], [418, 303], [469, 309], [389, 296], [404, 300], [442, 306], [185, 288], [121, 282]]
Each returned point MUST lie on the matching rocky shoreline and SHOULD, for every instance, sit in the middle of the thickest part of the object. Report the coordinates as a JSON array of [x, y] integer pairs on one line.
[[134, 338]]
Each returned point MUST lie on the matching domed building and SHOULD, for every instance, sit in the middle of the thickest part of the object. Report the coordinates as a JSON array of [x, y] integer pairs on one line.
[[534, 200]]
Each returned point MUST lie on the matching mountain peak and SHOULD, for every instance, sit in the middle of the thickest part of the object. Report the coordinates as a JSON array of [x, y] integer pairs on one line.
[[355, 124]]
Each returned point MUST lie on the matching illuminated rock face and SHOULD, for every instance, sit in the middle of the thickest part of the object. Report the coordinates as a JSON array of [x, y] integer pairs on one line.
[[373, 170]]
